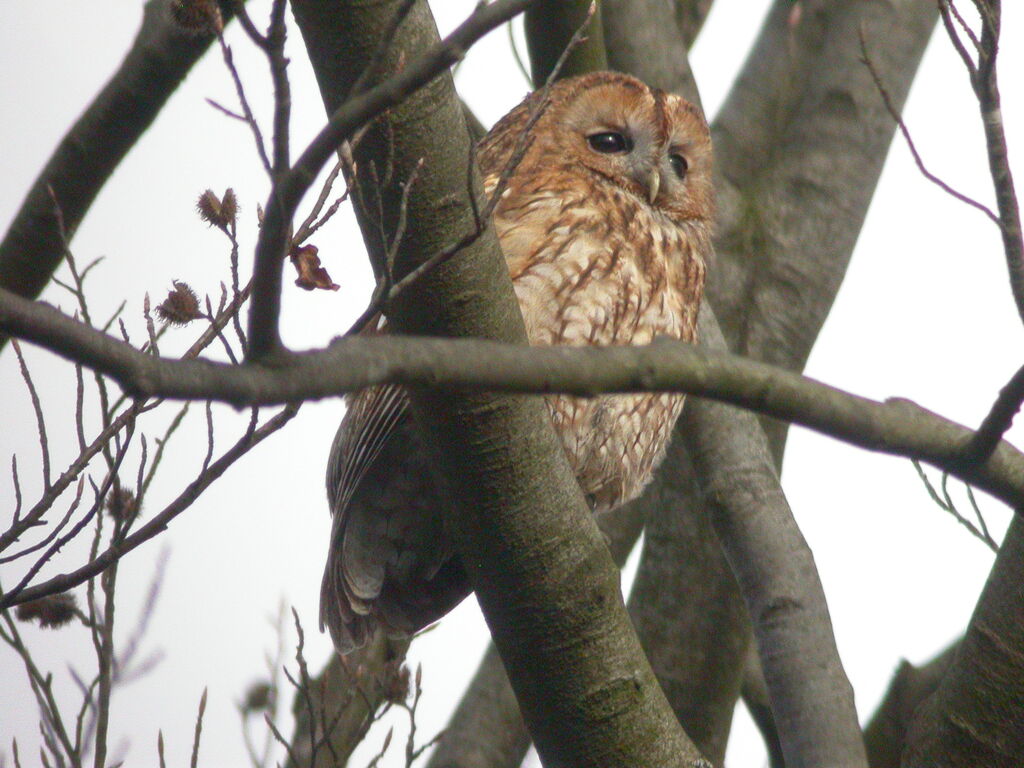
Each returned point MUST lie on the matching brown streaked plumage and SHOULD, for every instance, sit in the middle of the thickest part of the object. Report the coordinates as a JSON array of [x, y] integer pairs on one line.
[[605, 224]]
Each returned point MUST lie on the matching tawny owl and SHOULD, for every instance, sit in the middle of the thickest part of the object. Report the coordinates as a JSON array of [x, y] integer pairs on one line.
[[605, 224]]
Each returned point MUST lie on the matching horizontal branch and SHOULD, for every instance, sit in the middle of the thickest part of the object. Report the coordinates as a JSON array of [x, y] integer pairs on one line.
[[897, 426]]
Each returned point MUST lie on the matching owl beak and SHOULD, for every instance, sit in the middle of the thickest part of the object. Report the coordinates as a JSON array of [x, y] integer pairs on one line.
[[653, 185]]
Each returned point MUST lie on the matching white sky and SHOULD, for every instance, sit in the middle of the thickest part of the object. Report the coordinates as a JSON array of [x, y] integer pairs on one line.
[[925, 313]]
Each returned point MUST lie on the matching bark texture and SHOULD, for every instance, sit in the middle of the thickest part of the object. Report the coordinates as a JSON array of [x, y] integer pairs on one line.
[[799, 145], [487, 728], [885, 735], [550, 25], [643, 39], [976, 717], [812, 700]]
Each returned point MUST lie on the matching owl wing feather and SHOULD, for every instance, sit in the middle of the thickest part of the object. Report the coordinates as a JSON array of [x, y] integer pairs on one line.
[[368, 543]]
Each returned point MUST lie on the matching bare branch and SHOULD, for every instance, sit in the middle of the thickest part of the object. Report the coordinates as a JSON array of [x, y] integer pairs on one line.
[[984, 81], [355, 112], [199, 730], [866, 59], [897, 426], [160, 57], [44, 443], [812, 699], [946, 504]]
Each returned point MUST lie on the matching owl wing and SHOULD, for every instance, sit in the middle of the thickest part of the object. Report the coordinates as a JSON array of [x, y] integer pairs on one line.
[[374, 413], [369, 422], [390, 561]]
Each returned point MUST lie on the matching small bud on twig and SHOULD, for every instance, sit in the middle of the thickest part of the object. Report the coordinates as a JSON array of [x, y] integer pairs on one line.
[[218, 212], [180, 307], [121, 502], [52, 611], [200, 17], [396, 682], [257, 698]]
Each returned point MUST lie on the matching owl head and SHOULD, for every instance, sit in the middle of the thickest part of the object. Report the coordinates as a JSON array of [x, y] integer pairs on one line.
[[616, 130]]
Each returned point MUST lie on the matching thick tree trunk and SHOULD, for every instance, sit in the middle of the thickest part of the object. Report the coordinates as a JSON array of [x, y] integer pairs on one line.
[[976, 717]]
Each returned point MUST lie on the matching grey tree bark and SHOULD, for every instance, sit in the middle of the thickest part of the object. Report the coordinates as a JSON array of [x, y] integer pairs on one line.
[[976, 716]]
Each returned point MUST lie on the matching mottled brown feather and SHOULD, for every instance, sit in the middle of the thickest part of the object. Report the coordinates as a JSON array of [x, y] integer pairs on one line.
[[593, 260]]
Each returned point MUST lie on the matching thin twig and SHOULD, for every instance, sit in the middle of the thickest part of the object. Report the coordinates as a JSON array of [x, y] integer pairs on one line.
[[274, 49], [311, 224], [242, 14], [44, 443], [984, 81], [226, 110], [199, 730], [280, 739], [11, 597], [945, 503], [42, 688], [54, 532], [63, 582], [247, 115], [161, 445], [894, 113]]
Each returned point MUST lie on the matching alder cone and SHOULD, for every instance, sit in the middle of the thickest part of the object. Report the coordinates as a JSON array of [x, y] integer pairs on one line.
[[605, 223]]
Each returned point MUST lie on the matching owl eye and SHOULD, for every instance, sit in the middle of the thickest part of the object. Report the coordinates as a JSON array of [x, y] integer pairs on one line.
[[609, 143], [679, 165]]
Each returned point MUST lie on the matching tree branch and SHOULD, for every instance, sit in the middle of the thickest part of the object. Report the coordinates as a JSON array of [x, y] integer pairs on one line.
[[985, 82], [799, 146], [811, 697], [550, 24], [159, 59], [897, 426], [975, 716], [998, 421], [690, 17], [643, 38], [686, 604], [287, 193], [487, 728]]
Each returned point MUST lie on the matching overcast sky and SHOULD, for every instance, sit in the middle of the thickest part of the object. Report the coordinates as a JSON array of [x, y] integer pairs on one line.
[[924, 313]]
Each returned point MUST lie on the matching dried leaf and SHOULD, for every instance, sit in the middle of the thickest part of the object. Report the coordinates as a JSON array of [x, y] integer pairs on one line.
[[181, 306], [311, 274]]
